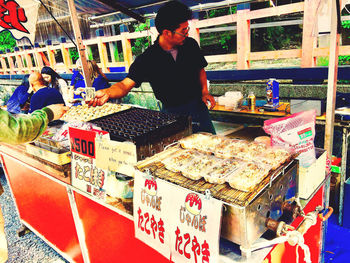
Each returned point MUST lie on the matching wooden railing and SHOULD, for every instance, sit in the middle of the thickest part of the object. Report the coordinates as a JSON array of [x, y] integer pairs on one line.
[[28, 60]]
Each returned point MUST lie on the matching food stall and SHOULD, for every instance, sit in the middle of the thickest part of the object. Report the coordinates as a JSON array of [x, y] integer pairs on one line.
[[232, 200]]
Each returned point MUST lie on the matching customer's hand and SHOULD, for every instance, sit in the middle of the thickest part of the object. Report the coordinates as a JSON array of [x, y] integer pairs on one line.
[[209, 98], [58, 110], [101, 97]]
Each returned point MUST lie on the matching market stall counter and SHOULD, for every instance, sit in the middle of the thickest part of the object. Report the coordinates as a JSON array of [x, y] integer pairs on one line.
[[84, 227], [75, 224]]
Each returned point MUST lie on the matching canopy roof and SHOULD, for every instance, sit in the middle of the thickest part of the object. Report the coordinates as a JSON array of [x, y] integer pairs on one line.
[[107, 10]]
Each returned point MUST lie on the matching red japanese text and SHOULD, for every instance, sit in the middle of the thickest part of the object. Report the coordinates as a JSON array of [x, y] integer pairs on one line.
[[11, 16], [151, 201], [148, 224], [190, 247], [197, 222]]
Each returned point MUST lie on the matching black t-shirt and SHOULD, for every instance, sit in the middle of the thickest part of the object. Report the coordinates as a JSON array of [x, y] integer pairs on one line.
[[173, 82]]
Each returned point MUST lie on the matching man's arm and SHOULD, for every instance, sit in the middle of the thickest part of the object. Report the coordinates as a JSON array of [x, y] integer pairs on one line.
[[116, 91], [205, 93]]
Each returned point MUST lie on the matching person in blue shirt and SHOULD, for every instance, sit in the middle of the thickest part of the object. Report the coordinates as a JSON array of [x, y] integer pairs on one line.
[[54, 80], [20, 99], [43, 95], [98, 78]]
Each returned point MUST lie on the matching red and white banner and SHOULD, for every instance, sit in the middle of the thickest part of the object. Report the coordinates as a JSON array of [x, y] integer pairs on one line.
[[182, 225], [19, 17], [195, 227], [151, 210]]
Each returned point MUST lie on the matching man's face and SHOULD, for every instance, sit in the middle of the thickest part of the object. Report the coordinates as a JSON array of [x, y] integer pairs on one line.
[[179, 34]]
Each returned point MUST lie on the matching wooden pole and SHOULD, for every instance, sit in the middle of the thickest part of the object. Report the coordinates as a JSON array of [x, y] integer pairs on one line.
[[310, 32], [79, 42], [332, 80], [243, 36]]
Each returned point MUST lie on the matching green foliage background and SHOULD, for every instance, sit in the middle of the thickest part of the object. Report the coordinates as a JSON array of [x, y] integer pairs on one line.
[[7, 41]]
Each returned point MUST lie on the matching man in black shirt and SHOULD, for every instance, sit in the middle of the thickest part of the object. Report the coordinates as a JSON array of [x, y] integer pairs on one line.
[[174, 66]]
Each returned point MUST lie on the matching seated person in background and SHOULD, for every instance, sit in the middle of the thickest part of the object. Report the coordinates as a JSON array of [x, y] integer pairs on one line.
[[56, 81], [20, 100], [43, 95], [98, 78]]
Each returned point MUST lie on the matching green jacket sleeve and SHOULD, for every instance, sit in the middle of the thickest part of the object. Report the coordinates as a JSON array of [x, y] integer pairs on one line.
[[23, 128]]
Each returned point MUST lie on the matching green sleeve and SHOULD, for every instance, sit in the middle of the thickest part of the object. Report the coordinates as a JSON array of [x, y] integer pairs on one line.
[[23, 128]]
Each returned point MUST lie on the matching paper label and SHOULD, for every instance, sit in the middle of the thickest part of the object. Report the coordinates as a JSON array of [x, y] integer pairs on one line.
[[116, 156]]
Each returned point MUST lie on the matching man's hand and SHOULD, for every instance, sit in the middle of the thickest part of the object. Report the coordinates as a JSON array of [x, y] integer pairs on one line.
[[101, 97], [58, 110], [207, 97]]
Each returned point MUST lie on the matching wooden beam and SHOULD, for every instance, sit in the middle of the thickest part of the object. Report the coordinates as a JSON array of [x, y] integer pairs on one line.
[[80, 45], [127, 52], [102, 51], [217, 21], [51, 56], [221, 58], [194, 30], [276, 11], [310, 33], [66, 57], [332, 82], [243, 39], [278, 54]]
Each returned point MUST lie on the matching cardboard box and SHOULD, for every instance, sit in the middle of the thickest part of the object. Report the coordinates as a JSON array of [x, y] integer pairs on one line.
[[311, 177]]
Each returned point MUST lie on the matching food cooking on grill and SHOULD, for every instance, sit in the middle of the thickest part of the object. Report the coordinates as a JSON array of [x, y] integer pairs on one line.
[[86, 113], [179, 161], [275, 156], [248, 176], [203, 142], [199, 166], [222, 169], [231, 148]]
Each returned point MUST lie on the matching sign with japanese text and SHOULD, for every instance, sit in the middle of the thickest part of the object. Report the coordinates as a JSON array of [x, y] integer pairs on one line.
[[150, 212], [116, 156], [19, 17], [190, 221], [86, 176], [195, 227]]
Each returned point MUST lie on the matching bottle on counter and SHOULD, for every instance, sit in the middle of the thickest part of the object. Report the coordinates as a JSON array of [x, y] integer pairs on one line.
[[251, 101]]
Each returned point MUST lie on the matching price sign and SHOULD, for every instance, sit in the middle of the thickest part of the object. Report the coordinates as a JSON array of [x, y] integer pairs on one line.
[[82, 142], [86, 176]]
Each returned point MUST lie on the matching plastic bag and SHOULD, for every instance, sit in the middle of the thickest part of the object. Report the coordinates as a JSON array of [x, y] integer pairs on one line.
[[296, 133]]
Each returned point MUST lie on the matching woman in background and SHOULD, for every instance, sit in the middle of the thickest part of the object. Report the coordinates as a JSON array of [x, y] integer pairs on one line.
[[98, 78], [20, 100], [54, 80]]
